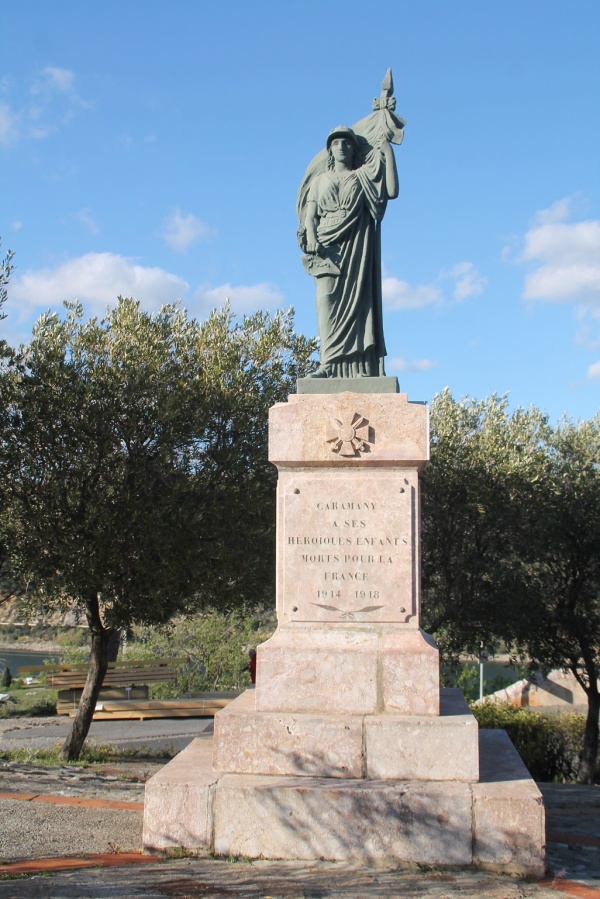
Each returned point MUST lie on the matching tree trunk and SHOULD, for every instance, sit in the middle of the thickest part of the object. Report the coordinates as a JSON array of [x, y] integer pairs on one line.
[[71, 749], [589, 756]]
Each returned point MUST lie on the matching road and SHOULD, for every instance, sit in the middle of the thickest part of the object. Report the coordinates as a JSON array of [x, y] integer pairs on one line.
[[158, 734]]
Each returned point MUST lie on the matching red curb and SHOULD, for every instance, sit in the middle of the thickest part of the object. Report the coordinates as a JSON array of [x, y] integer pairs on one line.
[[74, 800], [573, 839], [576, 890], [102, 860]]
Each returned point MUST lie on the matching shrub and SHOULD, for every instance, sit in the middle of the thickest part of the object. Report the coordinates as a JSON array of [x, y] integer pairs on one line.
[[215, 646], [550, 745]]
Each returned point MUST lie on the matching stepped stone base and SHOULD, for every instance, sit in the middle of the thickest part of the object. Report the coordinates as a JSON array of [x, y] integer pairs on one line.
[[495, 823], [385, 747]]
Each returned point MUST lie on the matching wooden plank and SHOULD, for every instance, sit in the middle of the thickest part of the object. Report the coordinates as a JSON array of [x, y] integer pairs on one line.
[[143, 705], [142, 716], [140, 709]]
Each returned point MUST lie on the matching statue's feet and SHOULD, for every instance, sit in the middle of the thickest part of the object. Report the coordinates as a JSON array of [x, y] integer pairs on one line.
[[321, 372]]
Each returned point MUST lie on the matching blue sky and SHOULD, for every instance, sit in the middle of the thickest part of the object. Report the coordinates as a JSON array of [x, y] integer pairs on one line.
[[155, 150]]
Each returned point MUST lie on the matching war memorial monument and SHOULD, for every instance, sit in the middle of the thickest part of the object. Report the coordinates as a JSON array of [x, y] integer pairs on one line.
[[348, 748]]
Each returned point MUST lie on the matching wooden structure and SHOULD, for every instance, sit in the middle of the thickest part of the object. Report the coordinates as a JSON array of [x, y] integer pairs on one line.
[[204, 705], [124, 691]]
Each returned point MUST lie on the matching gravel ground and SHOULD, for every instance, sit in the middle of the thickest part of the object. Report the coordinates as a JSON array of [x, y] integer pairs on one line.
[[43, 830], [47, 830]]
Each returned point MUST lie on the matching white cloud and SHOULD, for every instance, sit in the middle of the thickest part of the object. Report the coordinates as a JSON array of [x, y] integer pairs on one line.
[[8, 125], [558, 212], [84, 216], [467, 282], [594, 370], [58, 79], [52, 102], [401, 295], [565, 258], [413, 365], [16, 225], [243, 298], [96, 279], [181, 230]]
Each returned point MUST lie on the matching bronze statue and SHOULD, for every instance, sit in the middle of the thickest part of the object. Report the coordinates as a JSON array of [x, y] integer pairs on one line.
[[341, 203]]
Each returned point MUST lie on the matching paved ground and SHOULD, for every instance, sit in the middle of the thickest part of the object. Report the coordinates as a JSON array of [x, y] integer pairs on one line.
[[89, 822], [154, 735]]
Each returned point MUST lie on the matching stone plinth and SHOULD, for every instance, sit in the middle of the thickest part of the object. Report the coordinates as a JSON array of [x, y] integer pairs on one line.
[[355, 670], [348, 557], [497, 823], [369, 746]]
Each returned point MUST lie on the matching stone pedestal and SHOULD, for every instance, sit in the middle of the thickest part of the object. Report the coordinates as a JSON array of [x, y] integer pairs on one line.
[[347, 748]]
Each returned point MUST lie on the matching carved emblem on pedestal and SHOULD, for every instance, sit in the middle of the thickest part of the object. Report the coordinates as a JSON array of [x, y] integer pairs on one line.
[[349, 435]]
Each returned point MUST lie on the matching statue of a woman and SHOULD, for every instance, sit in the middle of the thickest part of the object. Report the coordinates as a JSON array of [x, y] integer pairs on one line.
[[341, 203]]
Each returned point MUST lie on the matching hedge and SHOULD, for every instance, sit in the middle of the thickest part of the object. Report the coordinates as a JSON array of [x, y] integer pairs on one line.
[[550, 745]]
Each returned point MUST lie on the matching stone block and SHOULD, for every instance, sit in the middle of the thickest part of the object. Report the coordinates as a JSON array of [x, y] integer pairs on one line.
[[282, 743], [305, 818], [410, 673], [318, 670], [397, 431], [178, 801], [424, 747], [496, 824], [508, 810]]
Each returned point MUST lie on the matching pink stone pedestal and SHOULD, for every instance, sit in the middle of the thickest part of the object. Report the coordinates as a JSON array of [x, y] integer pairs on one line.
[[347, 748]]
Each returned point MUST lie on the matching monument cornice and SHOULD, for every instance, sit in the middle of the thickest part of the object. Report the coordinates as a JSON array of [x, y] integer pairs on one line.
[[349, 430]]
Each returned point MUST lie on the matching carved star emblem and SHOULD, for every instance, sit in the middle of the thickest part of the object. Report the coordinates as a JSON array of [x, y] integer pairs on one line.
[[349, 435]]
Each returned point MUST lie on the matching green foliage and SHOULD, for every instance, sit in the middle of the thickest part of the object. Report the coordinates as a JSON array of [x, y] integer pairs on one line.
[[561, 627], [482, 458], [133, 449], [94, 754], [466, 678], [133, 459], [215, 646], [6, 268], [511, 542], [550, 745]]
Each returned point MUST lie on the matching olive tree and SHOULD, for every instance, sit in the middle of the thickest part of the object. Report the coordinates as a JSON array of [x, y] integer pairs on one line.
[[474, 490], [560, 627], [511, 540], [133, 466]]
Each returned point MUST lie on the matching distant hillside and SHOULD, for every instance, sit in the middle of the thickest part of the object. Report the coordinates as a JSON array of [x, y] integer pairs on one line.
[[11, 612]]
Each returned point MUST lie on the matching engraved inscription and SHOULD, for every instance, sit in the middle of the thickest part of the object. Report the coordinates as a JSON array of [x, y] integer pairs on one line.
[[350, 558]]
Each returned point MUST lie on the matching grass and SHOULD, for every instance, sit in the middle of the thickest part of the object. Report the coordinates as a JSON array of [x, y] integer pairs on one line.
[[96, 754], [28, 702]]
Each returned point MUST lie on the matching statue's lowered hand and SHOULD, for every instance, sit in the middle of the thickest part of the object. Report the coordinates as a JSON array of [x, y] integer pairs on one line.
[[316, 265]]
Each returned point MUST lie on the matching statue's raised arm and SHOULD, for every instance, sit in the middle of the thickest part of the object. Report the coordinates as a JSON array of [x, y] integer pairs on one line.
[[341, 202]]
